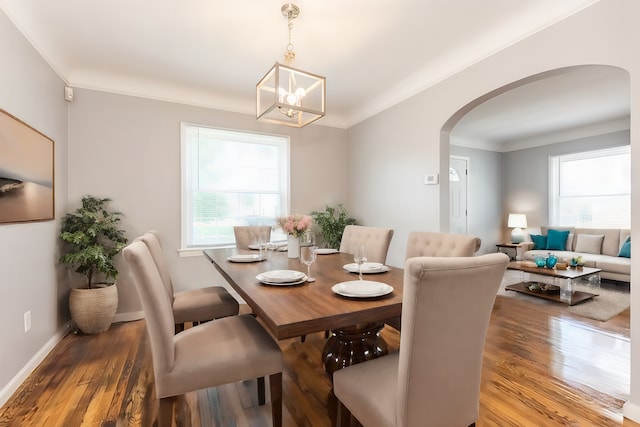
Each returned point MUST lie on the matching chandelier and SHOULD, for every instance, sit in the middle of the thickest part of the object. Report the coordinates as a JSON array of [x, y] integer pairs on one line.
[[286, 95]]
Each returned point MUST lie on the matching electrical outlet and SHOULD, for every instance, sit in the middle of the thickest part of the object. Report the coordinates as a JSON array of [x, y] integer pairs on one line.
[[27, 321]]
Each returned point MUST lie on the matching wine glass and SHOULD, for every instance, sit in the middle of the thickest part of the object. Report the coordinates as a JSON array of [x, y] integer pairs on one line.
[[308, 256], [308, 238], [360, 257]]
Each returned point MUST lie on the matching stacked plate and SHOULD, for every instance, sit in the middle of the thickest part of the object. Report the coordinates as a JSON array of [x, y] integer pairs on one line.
[[367, 267], [245, 258], [362, 289], [326, 251], [282, 277]]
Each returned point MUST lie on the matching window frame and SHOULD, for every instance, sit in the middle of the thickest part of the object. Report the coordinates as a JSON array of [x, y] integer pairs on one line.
[[188, 247], [555, 182]]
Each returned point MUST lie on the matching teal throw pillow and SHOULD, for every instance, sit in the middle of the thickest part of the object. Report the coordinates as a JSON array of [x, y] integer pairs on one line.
[[539, 241], [557, 240], [625, 250]]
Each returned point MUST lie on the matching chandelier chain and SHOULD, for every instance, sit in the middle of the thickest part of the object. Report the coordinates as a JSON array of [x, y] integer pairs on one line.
[[289, 55]]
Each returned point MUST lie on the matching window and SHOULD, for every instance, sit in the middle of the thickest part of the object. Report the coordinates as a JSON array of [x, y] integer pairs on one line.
[[591, 189], [230, 178]]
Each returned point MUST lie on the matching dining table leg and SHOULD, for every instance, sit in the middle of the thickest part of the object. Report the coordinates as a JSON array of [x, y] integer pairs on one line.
[[351, 345]]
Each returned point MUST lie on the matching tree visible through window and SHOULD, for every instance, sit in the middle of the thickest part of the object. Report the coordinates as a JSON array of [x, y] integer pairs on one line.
[[230, 178], [591, 189]]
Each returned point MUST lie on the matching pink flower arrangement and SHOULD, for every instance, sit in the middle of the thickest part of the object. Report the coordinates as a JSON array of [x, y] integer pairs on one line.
[[295, 224]]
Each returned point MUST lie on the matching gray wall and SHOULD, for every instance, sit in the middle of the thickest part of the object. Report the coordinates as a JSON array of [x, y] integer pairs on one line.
[[32, 92], [484, 195], [128, 149], [526, 175]]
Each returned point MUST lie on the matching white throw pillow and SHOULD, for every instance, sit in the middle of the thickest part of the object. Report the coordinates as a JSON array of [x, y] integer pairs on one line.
[[568, 246], [589, 243]]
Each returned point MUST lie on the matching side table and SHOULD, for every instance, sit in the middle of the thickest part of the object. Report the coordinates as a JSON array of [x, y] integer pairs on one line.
[[504, 247]]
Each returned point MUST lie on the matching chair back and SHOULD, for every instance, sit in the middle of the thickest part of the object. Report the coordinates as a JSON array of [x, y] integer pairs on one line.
[[375, 239], [150, 238], [157, 307], [446, 307], [251, 234], [434, 244]]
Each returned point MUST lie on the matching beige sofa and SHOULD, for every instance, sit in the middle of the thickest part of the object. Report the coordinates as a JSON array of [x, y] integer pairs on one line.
[[585, 242]]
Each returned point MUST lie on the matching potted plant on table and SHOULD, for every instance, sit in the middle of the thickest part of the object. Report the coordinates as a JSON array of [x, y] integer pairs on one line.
[[92, 240], [332, 222]]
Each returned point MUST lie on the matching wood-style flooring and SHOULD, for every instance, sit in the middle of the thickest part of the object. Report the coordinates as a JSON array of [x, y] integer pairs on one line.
[[542, 367]]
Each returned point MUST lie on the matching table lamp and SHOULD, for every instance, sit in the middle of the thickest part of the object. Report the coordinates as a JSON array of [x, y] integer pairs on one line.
[[517, 222]]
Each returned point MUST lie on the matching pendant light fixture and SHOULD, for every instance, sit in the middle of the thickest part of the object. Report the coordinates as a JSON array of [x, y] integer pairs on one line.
[[286, 95]]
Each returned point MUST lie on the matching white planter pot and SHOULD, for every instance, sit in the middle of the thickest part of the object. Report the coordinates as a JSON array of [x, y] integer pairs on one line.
[[93, 310]]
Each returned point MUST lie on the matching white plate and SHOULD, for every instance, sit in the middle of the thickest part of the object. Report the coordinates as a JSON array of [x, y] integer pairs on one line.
[[367, 267], [245, 258], [362, 289], [297, 282], [281, 276], [326, 251]]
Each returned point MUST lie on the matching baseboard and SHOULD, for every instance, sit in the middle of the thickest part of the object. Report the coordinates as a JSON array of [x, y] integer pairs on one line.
[[128, 317], [11, 387], [631, 411]]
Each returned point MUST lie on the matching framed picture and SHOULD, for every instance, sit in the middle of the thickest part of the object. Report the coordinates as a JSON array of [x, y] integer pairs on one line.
[[26, 172]]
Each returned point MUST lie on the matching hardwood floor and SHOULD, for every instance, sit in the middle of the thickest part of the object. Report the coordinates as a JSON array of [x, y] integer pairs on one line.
[[542, 367]]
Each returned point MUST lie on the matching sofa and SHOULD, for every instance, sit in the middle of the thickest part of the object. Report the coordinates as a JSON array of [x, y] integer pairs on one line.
[[598, 247]]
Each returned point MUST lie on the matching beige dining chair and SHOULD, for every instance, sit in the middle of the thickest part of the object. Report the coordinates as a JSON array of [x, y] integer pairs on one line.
[[251, 234], [434, 379], [228, 350], [375, 239], [196, 305], [436, 244]]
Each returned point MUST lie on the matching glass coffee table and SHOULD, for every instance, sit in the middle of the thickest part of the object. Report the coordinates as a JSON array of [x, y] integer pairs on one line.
[[555, 284]]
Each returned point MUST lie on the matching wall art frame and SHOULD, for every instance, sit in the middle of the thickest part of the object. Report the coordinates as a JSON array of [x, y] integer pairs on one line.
[[26, 172]]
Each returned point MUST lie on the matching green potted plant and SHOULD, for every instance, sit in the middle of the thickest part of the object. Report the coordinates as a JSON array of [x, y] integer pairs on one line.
[[332, 222], [92, 239]]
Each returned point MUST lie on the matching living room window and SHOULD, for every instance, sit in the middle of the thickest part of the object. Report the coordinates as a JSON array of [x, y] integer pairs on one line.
[[591, 189], [230, 178]]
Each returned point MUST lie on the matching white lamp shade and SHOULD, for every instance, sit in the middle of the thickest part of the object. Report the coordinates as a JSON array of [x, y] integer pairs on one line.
[[517, 221]]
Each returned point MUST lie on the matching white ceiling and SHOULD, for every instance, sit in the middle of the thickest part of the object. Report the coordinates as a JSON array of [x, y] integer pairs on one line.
[[374, 53]]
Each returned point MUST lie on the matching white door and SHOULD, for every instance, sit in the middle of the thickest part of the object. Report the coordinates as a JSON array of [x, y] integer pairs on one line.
[[458, 167]]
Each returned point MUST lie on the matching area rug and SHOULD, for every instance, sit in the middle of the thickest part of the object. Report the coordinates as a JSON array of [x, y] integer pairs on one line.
[[609, 302]]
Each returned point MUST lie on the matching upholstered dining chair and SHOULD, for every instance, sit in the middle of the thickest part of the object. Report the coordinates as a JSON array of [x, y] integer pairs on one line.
[[228, 350], [196, 305], [251, 234], [435, 244], [375, 239], [434, 379]]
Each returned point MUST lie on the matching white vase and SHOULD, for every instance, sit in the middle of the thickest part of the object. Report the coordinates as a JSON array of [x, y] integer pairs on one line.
[[293, 246]]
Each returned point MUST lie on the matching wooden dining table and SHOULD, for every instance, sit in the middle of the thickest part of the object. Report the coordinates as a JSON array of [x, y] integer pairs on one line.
[[298, 310]]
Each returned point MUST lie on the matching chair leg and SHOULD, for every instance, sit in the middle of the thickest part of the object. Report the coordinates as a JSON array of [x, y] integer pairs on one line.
[[303, 338], [165, 413], [275, 387], [261, 394], [344, 415]]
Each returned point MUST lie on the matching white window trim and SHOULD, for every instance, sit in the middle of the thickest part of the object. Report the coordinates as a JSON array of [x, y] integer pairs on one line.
[[185, 183]]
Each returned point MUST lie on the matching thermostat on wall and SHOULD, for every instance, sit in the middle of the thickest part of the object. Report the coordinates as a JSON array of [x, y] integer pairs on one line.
[[431, 179]]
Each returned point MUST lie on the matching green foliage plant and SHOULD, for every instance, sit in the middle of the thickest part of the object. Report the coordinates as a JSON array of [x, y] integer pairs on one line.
[[332, 222], [93, 239]]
